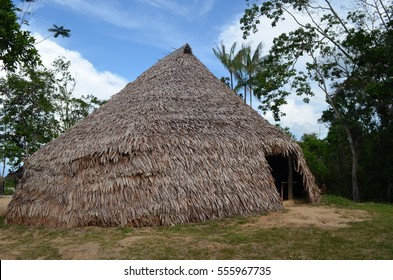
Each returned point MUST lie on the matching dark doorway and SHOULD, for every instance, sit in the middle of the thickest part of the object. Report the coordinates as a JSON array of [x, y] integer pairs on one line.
[[280, 172]]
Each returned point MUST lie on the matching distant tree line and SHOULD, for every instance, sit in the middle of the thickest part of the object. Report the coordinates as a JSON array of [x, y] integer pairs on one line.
[[36, 103]]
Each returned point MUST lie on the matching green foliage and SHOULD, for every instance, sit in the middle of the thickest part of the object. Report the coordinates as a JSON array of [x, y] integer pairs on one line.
[[60, 31], [28, 113], [338, 162], [57, 31], [247, 64], [269, 88], [330, 161], [16, 45], [38, 105], [338, 201], [315, 152], [227, 59], [243, 66], [69, 109], [27, 92], [9, 186], [226, 81]]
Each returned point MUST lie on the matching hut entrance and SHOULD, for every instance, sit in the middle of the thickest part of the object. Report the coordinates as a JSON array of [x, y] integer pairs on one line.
[[288, 182]]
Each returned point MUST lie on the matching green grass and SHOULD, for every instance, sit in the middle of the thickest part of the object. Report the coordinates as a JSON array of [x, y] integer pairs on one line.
[[236, 238]]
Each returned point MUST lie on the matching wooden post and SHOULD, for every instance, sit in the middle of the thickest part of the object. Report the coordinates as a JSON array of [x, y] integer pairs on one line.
[[290, 177]]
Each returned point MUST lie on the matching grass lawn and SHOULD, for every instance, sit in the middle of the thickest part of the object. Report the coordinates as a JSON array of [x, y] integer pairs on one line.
[[235, 238]]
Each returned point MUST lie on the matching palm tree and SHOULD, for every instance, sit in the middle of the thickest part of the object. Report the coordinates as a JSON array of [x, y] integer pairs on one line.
[[240, 71], [226, 59], [56, 32], [253, 63], [60, 30], [247, 64]]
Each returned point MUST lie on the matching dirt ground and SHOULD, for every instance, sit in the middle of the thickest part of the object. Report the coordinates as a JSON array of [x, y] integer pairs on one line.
[[300, 214], [296, 214]]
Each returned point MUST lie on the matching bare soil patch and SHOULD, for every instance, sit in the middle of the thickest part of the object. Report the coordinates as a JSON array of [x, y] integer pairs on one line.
[[299, 215]]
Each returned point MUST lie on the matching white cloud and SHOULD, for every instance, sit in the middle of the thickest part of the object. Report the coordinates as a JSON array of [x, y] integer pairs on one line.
[[133, 16], [266, 33], [106, 11], [301, 118], [89, 80], [206, 6], [145, 19], [183, 8], [172, 6]]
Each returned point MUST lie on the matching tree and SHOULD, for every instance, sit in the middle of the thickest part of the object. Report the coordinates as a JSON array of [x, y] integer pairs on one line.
[[69, 109], [26, 108], [242, 66], [240, 72], [316, 154], [16, 45], [330, 41], [226, 59], [56, 32], [37, 105], [248, 64], [28, 115], [226, 81]]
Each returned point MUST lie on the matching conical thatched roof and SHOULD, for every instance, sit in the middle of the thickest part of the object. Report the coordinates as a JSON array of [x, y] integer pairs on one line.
[[175, 146]]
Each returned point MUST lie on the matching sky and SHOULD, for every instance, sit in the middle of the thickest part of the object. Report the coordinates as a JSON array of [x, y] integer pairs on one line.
[[113, 42]]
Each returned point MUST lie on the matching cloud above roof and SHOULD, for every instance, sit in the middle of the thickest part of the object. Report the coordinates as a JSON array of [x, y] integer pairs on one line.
[[89, 80]]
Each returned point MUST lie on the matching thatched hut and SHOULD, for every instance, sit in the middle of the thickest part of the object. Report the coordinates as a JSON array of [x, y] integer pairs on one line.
[[175, 146]]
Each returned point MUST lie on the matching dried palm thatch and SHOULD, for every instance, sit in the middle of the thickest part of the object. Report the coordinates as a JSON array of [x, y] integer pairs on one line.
[[173, 147]]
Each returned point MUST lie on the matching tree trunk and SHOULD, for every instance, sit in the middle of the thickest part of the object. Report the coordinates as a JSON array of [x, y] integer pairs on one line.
[[355, 187], [250, 97], [2, 179], [354, 154], [245, 94], [231, 75]]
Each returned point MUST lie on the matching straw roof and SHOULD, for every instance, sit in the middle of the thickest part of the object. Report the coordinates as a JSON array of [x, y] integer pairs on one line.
[[173, 147]]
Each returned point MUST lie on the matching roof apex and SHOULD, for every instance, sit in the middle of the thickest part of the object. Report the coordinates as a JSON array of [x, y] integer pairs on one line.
[[187, 48]]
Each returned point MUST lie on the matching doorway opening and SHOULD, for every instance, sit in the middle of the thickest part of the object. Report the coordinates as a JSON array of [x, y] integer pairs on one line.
[[289, 183]]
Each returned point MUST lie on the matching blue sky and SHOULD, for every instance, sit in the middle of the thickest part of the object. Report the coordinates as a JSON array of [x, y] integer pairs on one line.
[[127, 37]]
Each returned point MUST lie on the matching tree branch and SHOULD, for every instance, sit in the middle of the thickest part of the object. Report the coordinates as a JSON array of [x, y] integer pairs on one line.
[[337, 16], [319, 30]]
